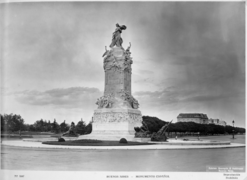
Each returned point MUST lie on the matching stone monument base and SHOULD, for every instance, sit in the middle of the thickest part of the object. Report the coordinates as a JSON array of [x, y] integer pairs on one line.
[[114, 124]]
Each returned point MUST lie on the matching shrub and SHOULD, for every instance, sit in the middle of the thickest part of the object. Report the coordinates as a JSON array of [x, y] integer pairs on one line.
[[123, 140], [61, 140]]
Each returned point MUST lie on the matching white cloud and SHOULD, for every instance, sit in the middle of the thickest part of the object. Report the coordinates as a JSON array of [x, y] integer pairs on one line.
[[74, 97]]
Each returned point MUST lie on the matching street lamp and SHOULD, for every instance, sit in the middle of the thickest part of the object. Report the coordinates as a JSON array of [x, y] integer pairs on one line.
[[233, 129]]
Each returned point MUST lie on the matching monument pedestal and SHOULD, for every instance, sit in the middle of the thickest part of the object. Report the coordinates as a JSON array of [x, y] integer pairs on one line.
[[114, 124]]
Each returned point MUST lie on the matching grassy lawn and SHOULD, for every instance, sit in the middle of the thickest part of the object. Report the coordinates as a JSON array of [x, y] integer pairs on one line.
[[87, 142]]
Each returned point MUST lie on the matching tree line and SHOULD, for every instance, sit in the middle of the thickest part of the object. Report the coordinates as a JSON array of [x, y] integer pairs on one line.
[[155, 124], [13, 123]]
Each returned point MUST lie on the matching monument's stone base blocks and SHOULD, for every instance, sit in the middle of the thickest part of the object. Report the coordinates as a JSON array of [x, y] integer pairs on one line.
[[117, 115], [114, 124], [120, 121]]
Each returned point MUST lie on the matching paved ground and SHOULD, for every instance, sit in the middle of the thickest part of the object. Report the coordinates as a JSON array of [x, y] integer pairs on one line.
[[138, 147]]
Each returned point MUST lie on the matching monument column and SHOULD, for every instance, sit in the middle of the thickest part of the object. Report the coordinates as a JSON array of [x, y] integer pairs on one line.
[[117, 113]]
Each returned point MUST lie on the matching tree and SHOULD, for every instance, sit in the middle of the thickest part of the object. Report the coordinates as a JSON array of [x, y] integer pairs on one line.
[[39, 125], [64, 127], [89, 128], [55, 127], [81, 127], [13, 122], [2, 124], [25, 127], [49, 126], [154, 124], [32, 128]]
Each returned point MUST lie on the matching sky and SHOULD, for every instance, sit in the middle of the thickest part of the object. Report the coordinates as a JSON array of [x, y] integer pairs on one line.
[[188, 57]]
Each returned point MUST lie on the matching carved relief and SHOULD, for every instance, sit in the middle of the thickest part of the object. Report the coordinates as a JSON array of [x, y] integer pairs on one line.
[[117, 117], [126, 96], [124, 63], [107, 53], [105, 101], [115, 64], [128, 60], [127, 52], [127, 65]]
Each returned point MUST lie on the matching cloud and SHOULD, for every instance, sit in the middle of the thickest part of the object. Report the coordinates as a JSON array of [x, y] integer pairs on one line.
[[170, 98], [74, 97], [166, 99], [173, 98], [169, 102]]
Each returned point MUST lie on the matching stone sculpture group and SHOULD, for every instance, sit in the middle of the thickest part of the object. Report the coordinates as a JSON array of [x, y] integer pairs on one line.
[[117, 95], [71, 132], [117, 110], [143, 132]]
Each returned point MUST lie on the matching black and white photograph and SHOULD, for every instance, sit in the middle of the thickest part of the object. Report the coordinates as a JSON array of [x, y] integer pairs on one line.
[[122, 90]]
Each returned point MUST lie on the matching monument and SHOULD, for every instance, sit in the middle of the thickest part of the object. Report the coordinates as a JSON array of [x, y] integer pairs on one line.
[[71, 132], [117, 113]]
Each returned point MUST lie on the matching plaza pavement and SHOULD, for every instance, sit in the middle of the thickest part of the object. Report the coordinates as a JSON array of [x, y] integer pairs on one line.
[[160, 146]]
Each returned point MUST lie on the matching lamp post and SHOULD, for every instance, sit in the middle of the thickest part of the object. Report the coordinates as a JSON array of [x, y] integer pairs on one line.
[[233, 129]]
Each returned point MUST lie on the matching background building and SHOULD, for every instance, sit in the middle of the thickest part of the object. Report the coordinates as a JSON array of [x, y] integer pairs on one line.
[[193, 117], [222, 123], [216, 122], [213, 121], [199, 118]]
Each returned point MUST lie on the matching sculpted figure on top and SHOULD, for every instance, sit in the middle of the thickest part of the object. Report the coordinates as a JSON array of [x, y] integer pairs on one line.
[[116, 36]]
